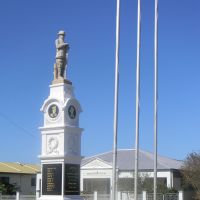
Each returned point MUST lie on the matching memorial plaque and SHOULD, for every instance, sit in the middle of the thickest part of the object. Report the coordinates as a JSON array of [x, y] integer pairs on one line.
[[72, 179], [51, 179]]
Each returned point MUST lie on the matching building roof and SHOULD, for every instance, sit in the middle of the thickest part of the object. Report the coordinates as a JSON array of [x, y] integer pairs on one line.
[[126, 160], [18, 168]]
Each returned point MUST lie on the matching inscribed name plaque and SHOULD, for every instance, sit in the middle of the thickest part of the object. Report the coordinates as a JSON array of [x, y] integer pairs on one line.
[[72, 179], [51, 179]]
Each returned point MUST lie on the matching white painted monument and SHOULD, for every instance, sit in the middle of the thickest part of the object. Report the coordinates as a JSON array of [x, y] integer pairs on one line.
[[61, 135]]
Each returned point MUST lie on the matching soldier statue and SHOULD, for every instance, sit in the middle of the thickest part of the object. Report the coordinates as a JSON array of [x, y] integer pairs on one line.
[[61, 56]]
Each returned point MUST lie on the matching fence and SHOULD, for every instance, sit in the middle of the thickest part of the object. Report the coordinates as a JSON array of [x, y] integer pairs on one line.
[[167, 196], [130, 196], [7, 197], [96, 196], [17, 197]]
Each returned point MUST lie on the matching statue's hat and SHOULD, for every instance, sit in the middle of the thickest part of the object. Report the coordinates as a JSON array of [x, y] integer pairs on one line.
[[61, 33]]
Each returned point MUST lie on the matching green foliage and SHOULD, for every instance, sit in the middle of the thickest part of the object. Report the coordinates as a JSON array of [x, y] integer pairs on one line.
[[146, 184], [2, 188], [191, 172], [8, 189]]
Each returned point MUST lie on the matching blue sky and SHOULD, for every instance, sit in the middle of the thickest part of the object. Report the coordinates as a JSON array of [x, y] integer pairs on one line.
[[27, 52]]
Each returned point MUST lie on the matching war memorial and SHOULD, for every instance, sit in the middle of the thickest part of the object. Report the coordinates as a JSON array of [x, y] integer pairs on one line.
[[61, 134], [65, 174]]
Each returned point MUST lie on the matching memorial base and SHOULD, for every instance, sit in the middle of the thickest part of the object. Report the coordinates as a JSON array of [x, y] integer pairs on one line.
[[61, 80]]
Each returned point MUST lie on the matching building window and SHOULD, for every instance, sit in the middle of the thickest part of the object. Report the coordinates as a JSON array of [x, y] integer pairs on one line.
[[4, 180], [102, 185], [33, 182]]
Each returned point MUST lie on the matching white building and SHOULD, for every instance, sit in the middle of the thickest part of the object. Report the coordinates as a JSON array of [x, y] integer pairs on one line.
[[96, 171]]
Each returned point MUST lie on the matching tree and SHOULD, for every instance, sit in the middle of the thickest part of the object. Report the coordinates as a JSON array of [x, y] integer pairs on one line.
[[145, 183], [8, 189], [2, 188], [191, 172]]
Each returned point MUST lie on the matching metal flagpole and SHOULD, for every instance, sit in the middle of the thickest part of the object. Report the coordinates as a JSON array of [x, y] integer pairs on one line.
[[137, 103], [114, 177], [155, 97]]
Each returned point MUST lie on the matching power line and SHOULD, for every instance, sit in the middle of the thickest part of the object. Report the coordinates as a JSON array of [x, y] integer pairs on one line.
[[17, 125]]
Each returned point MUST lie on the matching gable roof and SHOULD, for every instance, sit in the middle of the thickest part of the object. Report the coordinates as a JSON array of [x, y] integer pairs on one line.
[[126, 160], [96, 163], [18, 168]]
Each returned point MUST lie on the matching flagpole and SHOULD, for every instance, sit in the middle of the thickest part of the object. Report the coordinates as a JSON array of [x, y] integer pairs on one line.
[[155, 97], [137, 104], [114, 175]]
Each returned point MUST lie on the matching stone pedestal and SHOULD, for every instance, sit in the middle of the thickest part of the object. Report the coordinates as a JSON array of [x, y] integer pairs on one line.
[[61, 144]]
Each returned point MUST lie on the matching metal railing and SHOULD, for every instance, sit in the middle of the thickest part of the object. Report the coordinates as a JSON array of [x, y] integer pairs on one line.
[[15, 197], [167, 196], [130, 196]]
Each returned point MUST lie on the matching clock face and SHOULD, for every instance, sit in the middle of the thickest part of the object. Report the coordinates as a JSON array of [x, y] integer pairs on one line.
[[72, 112], [53, 111]]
